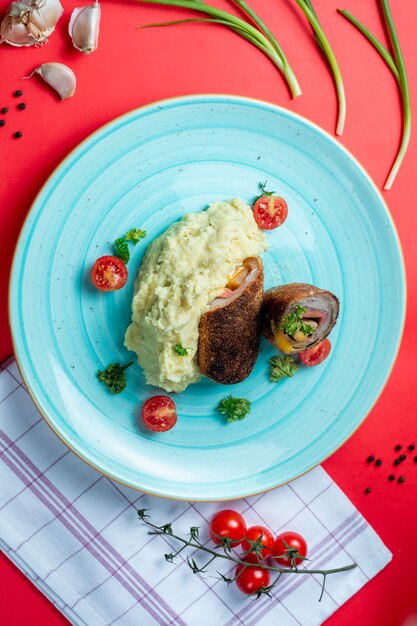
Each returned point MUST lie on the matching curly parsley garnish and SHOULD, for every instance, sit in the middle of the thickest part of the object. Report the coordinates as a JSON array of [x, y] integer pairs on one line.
[[282, 367], [120, 246], [234, 408], [121, 250], [114, 376], [294, 322], [180, 350], [135, 235]]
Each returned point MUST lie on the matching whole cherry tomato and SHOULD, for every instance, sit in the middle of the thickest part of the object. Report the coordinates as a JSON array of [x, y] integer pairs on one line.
[[227, 523]]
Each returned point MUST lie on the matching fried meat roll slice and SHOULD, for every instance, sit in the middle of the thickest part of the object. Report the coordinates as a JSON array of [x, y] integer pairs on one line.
[[298, 316], [229, 331]]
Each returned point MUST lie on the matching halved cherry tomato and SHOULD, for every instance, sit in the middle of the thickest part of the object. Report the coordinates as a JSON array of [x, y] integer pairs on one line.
[[256, 532], [159, 413], [287, 545], [251, 579], [270, 212], [230, 524], [109, 273], [316, 355]]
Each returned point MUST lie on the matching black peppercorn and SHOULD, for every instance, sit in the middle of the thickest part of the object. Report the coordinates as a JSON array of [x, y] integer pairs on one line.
[[21, 106], [378, 462], [2, 123], [4, 110], [18, 134], [391, 477], [18, 93], [368, 490], [370, 459], [402, 457], [411, 447], [398, 446], [401, 479]]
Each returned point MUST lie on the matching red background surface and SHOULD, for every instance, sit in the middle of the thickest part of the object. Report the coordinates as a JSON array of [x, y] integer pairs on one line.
[[134, 67]]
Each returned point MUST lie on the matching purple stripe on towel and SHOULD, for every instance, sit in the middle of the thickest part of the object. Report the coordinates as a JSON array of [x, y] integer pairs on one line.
[[122, 571]]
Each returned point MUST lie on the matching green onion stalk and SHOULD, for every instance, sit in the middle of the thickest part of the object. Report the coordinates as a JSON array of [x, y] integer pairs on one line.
[[397, 66], [261, 36], [324, 44]]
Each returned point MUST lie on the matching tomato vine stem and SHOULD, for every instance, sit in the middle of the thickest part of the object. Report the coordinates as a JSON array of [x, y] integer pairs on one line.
[[227, 545]]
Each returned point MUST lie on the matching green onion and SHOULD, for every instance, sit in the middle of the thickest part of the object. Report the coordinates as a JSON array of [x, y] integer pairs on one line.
[[311, 15], [239, 31], [287, 70], [261, 37], [385, 54], [397, 66]]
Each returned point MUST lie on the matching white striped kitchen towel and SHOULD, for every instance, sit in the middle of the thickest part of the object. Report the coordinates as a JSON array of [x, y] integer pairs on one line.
[[76, 535]]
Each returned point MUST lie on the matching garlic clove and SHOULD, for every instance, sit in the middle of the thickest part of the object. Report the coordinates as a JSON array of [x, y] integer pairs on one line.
[[30, 22], [84, 27], [45, 16], [58, 76], [15, 33]]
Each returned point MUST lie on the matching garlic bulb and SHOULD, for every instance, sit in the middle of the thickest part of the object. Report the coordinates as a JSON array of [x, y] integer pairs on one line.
[[59, 76], [30, 22], [84, 27]]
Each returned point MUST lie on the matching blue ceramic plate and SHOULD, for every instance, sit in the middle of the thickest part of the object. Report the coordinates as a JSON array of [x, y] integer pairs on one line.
[[147, 169]]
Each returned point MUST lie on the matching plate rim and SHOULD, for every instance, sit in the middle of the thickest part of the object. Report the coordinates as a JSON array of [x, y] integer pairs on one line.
[[230, 98]]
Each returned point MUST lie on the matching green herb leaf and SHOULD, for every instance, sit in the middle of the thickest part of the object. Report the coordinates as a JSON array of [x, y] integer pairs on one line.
[[264, 191], [282, 367], [234, 408], [114, 377], [121, 249], [293, 322], [180, 350], [135, 235]]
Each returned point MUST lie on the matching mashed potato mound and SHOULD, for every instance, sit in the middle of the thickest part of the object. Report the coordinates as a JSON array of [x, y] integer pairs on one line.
[[183, 270]]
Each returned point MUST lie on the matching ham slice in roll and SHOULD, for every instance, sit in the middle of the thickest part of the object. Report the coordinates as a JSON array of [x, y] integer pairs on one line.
[[228, 342], [298, 316]]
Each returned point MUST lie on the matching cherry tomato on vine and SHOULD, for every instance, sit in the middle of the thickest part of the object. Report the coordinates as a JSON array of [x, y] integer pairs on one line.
[[159, 413], [254, 533], [227, 523], [287, 546], [270, 212], [109, 273], [251, 579], [316, 355]]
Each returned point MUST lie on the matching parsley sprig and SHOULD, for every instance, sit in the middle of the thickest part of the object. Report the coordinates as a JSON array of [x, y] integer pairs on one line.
[[293, 322], [121, 249], [282, 367], [180, 350], [120, 246], [135, 235], [262, 187], [234, 408], [114, 377]]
